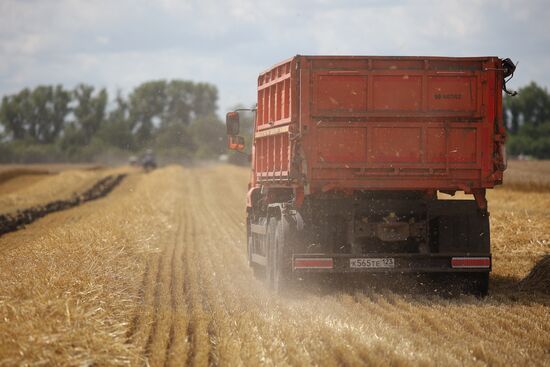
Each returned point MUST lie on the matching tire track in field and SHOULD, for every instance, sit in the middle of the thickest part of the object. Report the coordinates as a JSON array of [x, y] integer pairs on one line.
[[145, 319], [216, 249], [160, 326], [198, 323], [153, 328], [222, 288], [205, 323], [178, 347], [136, 322]]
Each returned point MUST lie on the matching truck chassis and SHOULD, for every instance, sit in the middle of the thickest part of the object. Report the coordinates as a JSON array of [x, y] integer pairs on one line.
[[370, 232]]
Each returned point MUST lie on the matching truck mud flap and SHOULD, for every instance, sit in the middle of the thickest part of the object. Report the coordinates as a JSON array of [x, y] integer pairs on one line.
[[400, 263]]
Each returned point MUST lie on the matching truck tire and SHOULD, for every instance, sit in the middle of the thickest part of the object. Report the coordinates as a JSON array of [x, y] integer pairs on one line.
[[282, 263], [458, 226], [257, 270], [476, 284], [270, 252], [249, 240]]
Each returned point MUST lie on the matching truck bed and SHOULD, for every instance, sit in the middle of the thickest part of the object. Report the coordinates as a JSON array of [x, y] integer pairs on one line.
[[391, 123]]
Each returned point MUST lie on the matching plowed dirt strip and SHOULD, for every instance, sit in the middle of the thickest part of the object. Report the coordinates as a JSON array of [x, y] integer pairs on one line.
[[156, 275]]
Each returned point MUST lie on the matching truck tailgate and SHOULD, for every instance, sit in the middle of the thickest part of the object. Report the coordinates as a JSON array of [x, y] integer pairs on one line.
[[399, 122]]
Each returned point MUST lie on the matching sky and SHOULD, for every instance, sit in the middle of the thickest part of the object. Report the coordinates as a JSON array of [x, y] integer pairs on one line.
[[118, 44]]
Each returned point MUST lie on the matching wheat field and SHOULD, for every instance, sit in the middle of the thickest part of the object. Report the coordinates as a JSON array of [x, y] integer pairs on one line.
[[23, 187], [528, 175], [155, 274]]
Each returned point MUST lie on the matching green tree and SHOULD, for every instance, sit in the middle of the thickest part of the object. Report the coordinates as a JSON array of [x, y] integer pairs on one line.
[[38, 115], [204, 99], [535, 104], [177, 117], [512, 111], [117, 129], [179, 103], [175, 140], [161, 106], [208, 133], [13, 113], [528, 121], [51, 106], [90, 110], [531, 140], [530, 106], [147, 104]]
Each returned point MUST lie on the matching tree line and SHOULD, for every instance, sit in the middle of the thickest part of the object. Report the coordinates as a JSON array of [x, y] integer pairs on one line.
[[527, 119], [176, 118]]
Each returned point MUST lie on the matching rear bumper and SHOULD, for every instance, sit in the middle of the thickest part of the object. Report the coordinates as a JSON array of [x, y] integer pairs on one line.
[[402, 263]]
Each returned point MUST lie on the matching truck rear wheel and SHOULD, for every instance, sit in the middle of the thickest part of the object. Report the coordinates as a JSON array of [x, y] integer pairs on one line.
[[476, 284], [257, 270], [278, 271], [249, 247], [270, 252], [282, 269]]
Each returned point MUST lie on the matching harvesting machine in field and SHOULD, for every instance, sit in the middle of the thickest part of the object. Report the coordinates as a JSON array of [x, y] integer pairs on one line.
[[349, 154]]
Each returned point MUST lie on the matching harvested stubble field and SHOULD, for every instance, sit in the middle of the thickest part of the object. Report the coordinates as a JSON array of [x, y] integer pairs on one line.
[[156, 274], [23, 187], [528, 175]]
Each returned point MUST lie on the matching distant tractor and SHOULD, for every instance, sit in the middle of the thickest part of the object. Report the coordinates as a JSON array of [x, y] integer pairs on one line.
[[148, 161], [349, 155]]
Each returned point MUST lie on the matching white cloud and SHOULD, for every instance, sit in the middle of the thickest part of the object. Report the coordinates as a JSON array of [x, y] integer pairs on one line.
[[102, 40], [119, 44]]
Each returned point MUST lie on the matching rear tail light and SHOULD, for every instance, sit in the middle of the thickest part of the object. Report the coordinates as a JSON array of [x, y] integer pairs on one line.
[[471, 262], [313, 263]]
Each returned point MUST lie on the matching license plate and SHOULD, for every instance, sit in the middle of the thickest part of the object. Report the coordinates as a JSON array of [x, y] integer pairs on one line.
[[372, 263]]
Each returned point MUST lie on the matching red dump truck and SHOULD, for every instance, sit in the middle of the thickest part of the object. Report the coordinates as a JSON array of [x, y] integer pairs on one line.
[[349, 154]]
